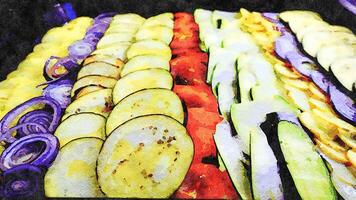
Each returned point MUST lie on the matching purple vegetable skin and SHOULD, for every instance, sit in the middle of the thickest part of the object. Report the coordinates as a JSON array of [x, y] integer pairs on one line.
[[343, 104]]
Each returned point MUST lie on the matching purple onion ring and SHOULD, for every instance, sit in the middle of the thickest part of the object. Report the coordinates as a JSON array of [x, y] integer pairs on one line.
[[41, 118]]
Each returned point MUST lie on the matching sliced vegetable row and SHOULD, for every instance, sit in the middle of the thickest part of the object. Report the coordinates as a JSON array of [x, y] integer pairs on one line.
[[82, 131], [204, 178], [36, 120], [256, 87], [148, 151]]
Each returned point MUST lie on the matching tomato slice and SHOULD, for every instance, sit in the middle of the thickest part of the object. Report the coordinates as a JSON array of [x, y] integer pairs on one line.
[[197, 96], [204, 181]]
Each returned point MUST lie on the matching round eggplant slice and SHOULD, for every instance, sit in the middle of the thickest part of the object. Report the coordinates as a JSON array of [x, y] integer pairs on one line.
[[149, 47], [303, 23], [344, 71], [109, 39], [145, 62], [99, 102], [86, 90], [100, 69], [146, 102], [104, 58], [321, 27], [160, 33], [129, 18], [314, 41], [164, 19], [144, 79], [79, 126], [146, 157], [73, 172], [332, 53], [117, 50], [122, 28], [93, 80]]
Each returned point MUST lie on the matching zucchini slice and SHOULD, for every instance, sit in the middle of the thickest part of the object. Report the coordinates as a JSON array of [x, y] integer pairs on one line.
[[149, 47], [102, 81], [145, 62], [86, 90], [117, 50], [164, 19], [300, 154], [79, 126], [314, 41], [146, 157], [231, 153], [334, 52], [320, 27], [287, 16], [99, 68], [73, 172], [144, 79], [129, 18], [303, 23], [344, 71], [99, 102], [160, 33], [105, 59], [109, 39], [146, 102]]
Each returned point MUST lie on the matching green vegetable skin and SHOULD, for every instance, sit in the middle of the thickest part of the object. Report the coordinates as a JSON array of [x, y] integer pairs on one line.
[[309, 173]]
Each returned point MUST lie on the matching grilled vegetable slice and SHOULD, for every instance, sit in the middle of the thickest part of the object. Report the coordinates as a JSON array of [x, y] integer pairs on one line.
[[314, 41], [263, 165], [99, 102], [129, 18], [101, 81], [331, 53], [73, 172], [232, 156], [344, 70], [109, 39], [146, 102], [79, 126], [149, 47], [146, 157], [320, 27], [99, 68], [164, 19], [144, 79], [300, 154], [303, 23], [117, 50], [145, 62], [87, 90], [103, 58], [161, 33], [287, 16]]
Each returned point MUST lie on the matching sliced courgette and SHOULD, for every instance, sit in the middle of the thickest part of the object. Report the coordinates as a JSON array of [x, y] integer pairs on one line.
[[99, 102], [329, 54], [297, 25], [344, 71], [99, 68], [307, 169], [146, 157], [287, 16], [320, 27], [145, 62], [149, 47], [79, 126], [73, 173], [103, 58], [102, 81], [146, 102], [160, 33], [231, 153], [143, 79]]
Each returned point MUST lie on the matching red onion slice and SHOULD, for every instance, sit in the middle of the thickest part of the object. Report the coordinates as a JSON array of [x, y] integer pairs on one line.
[[59, 91], [343, 104], [285, 44], [14, 113], [60, 68], [81, 49], [7, 136], [320, 80], [299, 61], [349, 5], [36, 149], [98, 28], [23, 182], [40, 117]]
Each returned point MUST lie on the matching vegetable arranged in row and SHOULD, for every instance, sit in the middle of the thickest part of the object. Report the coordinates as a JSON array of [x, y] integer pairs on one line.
[[83, 125], [204, 178]]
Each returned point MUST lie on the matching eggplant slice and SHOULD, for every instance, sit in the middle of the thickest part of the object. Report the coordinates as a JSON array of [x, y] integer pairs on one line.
[[73, 173], [144, 79], [146, 102], [160, 33], [146, 157], [149, 47], [344, 71], [145, 62], [93, 80], [332, 53]]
